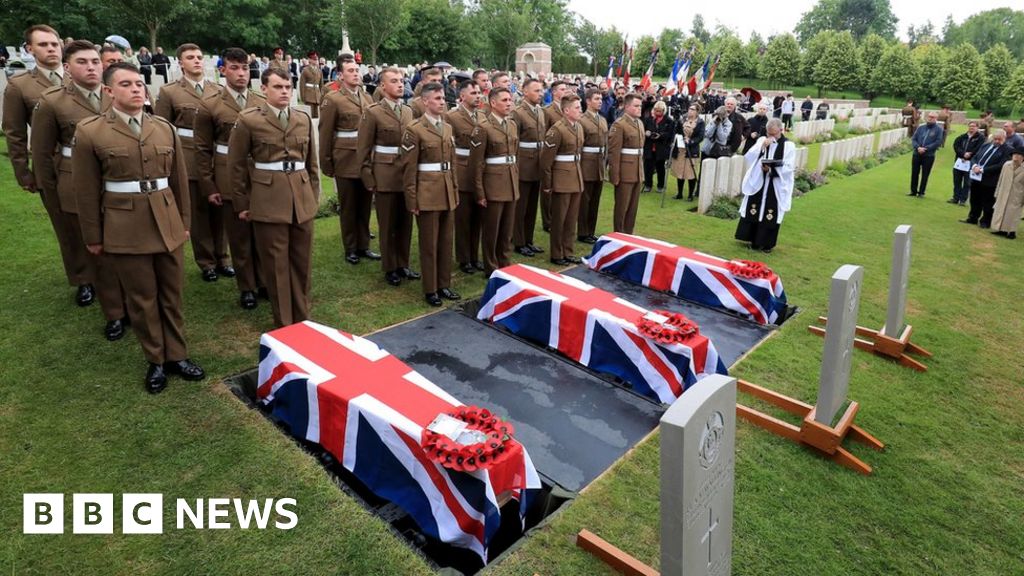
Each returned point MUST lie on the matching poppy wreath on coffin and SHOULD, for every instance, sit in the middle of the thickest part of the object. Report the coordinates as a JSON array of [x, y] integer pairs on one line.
[[470, 457], [749, 269], [675, 329]]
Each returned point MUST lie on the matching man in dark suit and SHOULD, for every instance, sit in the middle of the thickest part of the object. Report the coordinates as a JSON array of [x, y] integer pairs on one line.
[[739, 125], [985, 168]]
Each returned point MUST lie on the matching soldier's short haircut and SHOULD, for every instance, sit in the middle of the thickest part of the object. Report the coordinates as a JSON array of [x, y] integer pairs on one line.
[[432, 72], [431, 87], [591, 92], [389, 70], [568, 99], [629, 98], [105, 49], [235, 55], [108, 74], [530, 81], [467, 84], [39, 28], [344, 59], [265, 76], [556, 84], [185, 48], [497, 76], [478, 73], [77, 46], [496, 92]]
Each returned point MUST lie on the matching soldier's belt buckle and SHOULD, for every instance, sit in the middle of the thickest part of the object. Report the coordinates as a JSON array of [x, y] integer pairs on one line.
[[288, 167], [147, 186], [445, 166], [510, 159]]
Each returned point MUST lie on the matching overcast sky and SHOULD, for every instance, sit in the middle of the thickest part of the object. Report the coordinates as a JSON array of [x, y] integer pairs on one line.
[[640, 17]]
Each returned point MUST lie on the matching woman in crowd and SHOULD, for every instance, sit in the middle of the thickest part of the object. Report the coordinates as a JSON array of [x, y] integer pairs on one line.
[[1009, 196], [659, 131], [716, 136], [145, 62], [686, 153]]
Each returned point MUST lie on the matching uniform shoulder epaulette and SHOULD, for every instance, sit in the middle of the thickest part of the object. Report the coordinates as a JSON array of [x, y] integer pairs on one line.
[[90, 120], [250, 111], [53, 90], [158, 119], [376, 104]]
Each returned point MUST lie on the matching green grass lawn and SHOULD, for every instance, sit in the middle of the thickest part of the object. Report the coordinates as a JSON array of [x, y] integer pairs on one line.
[[947, 495]]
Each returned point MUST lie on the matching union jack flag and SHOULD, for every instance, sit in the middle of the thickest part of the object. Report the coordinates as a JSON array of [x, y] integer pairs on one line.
[[596, 329], [690, 275], [368, 409]]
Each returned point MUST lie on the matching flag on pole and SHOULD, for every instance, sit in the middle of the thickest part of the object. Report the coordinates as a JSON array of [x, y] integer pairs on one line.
[[711, 75], [696, 83], [684, 70], [622, 58], [673, 79], [629, 67], [645, 82], [611, 69]]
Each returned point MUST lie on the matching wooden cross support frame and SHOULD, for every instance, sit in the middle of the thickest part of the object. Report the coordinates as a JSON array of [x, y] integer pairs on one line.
[[824, 439], [615, 558], [882, 345]]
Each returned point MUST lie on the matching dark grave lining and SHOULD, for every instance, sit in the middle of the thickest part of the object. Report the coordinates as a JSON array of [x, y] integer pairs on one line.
[[440, 556]]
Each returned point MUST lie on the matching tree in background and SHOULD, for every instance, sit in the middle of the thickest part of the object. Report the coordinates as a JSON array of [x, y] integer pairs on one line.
[[812, 52], [931, 60], [699, 30], [372, 22], [985, 29], [150, 15], [1013, 92], [859, 17], [869, 52], [999, 67], [838, 67], [781, 62], [729, 48], [923, 34], [672, 42], [896, 73], [964, 80], [753, 52]]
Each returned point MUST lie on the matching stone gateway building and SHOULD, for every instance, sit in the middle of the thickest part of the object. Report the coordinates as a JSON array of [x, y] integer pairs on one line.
[[534, 58]]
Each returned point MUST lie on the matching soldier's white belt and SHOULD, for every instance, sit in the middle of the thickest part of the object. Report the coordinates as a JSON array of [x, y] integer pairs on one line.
[[462, 151], [286, 166], [185, 132], [135, 186], [65, 151], [434, 167], [501, 160], [346, 134], [308, 85], [386, 149], [529, 145], [593, 149], [222, 148], [566, 158], [631, 151]]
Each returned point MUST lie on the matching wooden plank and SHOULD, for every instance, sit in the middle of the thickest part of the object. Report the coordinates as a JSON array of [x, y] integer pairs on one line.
[[791, 405], [858, 434], [769, 423], [615, 558], [848, 460]]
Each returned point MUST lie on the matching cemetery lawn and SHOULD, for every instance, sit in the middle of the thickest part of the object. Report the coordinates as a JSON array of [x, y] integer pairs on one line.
[[946, 497]]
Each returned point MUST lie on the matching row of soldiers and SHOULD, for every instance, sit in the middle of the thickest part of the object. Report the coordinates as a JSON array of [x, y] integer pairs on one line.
[[125, 189]]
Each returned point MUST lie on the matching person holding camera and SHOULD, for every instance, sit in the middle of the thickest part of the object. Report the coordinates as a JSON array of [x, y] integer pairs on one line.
[[686, 152], [716, 136]]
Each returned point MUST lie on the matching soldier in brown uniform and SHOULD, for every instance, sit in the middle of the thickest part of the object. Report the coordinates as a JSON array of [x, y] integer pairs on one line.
[[179, 104], [431, 193], [311, 81], [466, 126], [529, 117], [213, 125], [380, 139], [427, 76], [279, 192], [483, 81], [595, 130], [945, 118], [133, 204], [59, 110], [625, 163], [20, 98], [497, 180], [552, 114], [910, 118], [343, 112], [563, 178]]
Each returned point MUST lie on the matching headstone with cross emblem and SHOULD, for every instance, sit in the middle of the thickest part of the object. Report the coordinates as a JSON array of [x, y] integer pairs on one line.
[[843, 304], [898, 279], [698, 441]]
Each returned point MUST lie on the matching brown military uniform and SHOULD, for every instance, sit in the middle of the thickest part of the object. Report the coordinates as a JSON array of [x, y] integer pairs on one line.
[[595, 146], [466, 126], [342, 116], [213, 125], [59, 111], [497, 181], [563, 177], [944, 119], [626, 170], [132, 199], [910, 116], [428, 159], [552, 114], [379, 142], [179, 104], [311, 81], [281, 191], [532, 128], [20, 99]]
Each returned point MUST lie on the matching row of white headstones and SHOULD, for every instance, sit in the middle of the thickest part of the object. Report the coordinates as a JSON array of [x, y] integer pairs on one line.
[[698, 432]]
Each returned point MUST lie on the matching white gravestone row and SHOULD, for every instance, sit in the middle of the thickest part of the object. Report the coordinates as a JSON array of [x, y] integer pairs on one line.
[[719, 177], [801, 158], [898, 280], [843, 305], [807, 131], [845, 150], [890, 138], [698, 448]]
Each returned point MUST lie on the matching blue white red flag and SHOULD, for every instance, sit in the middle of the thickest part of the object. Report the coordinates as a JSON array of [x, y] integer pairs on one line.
[[611, 70], [368, 409], [596, 329], [690, 275]]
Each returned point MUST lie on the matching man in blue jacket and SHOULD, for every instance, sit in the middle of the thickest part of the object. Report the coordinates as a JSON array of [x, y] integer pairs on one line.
[[927, 139]]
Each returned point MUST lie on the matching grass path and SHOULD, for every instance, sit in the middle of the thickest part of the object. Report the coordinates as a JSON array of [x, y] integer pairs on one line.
[[947, 496]]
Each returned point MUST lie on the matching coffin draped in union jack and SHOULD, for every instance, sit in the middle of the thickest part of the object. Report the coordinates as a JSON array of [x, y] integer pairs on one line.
[[596, 329], [745, 288], [369, 410]]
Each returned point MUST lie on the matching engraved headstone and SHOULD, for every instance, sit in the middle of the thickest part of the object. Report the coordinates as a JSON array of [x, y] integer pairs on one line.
[[737, 169], [843, 304], [707, 185], [722, 166], [898, 279], [698, 447]]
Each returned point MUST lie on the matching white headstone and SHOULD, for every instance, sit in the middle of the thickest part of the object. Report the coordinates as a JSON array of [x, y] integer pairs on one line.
[[737, 168], [843, 304], [722, 176], [698, 448], [707, 185], [898, 279]]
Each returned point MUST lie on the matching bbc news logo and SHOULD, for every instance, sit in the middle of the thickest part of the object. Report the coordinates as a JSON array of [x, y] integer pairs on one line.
[[144, 513]]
